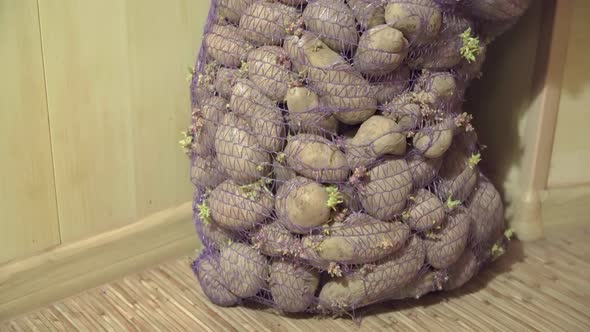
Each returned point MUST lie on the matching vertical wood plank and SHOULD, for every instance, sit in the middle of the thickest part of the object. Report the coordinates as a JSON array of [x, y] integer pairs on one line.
[[571, 148], [164, 37], [87, 68], [28, 213]]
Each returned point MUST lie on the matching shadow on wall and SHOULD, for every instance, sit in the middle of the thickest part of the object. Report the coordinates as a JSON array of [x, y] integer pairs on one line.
[[501, 100], [576, 81]]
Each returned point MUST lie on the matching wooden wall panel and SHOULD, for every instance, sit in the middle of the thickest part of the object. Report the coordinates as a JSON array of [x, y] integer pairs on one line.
[[164, 38], [28, 214], [85, 49], [571, 149], [118, 100]]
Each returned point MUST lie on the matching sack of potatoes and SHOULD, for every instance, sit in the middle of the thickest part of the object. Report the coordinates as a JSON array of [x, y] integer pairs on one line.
[[333, 165]]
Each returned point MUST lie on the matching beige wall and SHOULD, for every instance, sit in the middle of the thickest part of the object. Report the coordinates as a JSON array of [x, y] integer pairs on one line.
[[570, 164], [94, 93]]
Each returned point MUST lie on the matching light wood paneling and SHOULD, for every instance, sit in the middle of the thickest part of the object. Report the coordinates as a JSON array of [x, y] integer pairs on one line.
[[28, 214], [536, 287], [71, 268], [86, 62], [571, 150], [164, 38], [117, 102]]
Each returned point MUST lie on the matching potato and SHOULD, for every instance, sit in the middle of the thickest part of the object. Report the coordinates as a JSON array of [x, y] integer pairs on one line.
[[244, 271], [380, 51], [368, 13], [235, 208], [487, 211], [267, 23], [387, 87], [239, 154], [292, 285], [309, 53], [206, 120], [307, 115], [434, 141], [262, 114], [498, 10], [427, 282], [275, 240], [419, 20], [316, 158], [377, 136], [444, 52], [384, 195], [341, 88], [458, 177], [445, 246], [269, 68], [364, 288], [351, 110], [435, 88], [225, 44], [202, 81], [211, 234], [232, 10], [350, 198], [206, 268], [282, 173], [205, 172], [302, 204], [490, 30], [405, 110], [294, 2], [333, 21], [359, 239], [225, 79], [423, 170], [426, 212], [462, 270]]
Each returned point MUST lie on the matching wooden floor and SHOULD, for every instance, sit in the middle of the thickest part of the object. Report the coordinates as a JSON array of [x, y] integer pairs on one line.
[[543, 286]]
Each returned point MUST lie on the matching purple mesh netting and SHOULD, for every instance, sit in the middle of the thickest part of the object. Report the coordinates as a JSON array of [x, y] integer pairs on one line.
[[334, 167]]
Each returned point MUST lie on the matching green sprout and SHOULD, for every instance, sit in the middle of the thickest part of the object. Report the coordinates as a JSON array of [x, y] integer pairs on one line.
[[452, 204], [431, 235], [334, 197], [281, 157], [244, 67], [474, 160], [186, 142], [334, 270], [470, 48], [405, 215], [253, 190], [260, 168], [497, 251], [204, 213], [509, 233], [191, 73]]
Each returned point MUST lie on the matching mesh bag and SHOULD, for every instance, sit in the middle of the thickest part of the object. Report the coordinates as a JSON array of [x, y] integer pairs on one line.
[[334, 167]]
